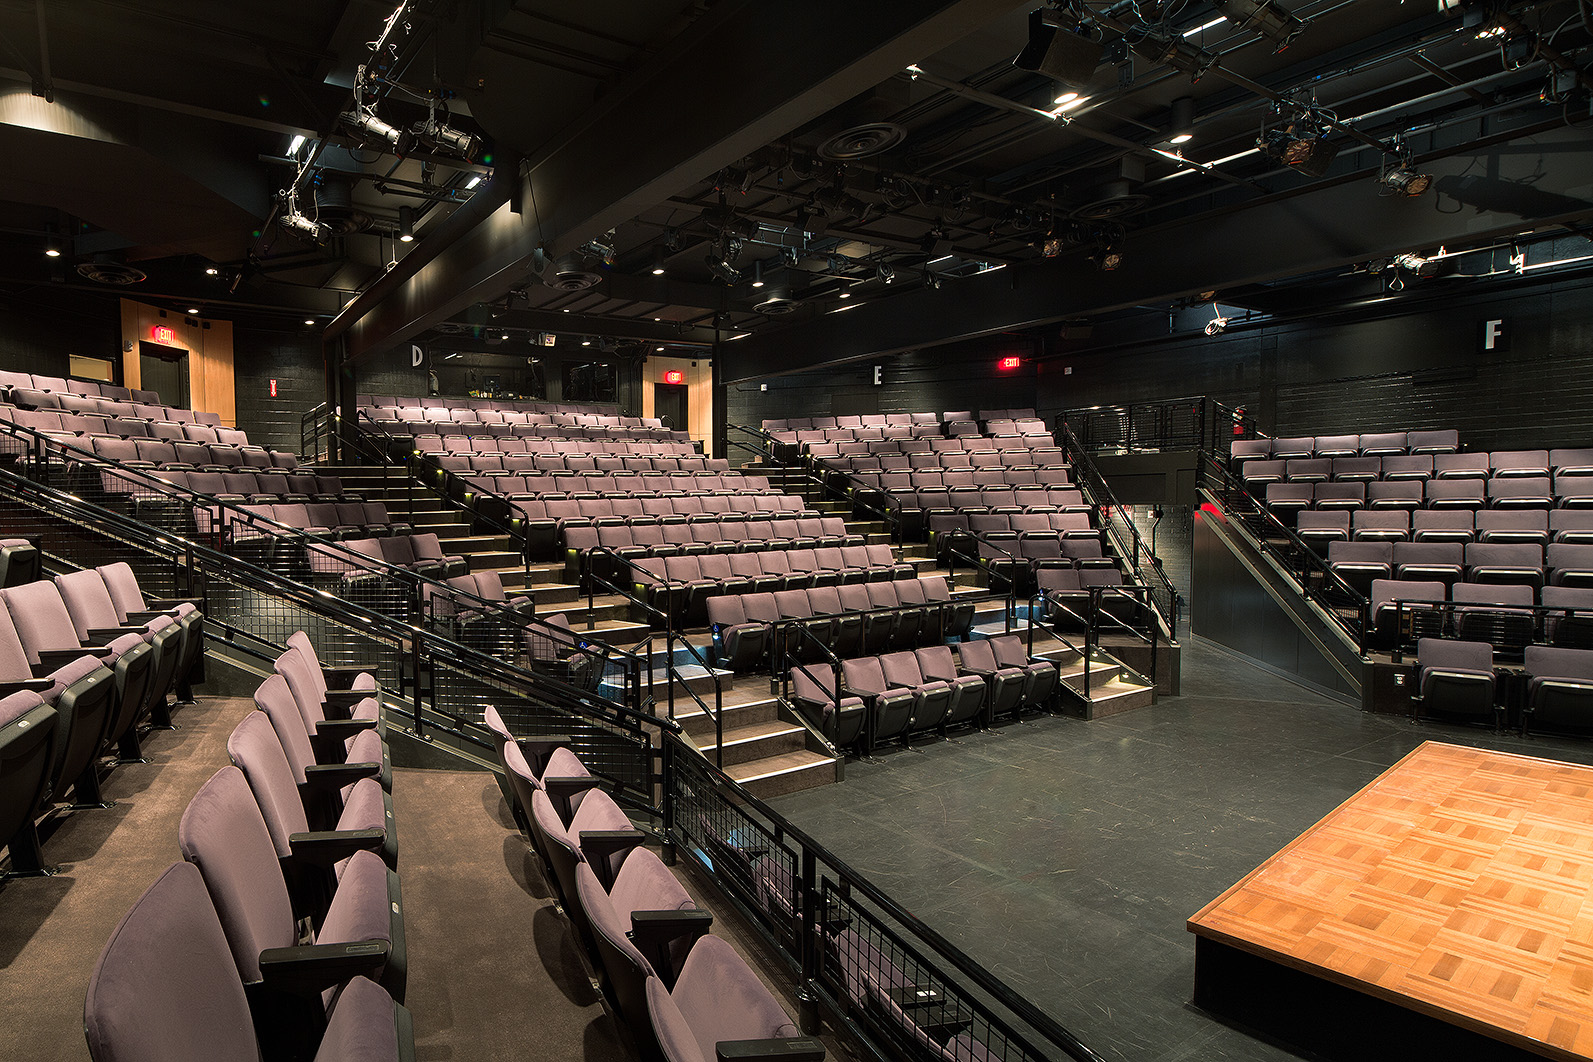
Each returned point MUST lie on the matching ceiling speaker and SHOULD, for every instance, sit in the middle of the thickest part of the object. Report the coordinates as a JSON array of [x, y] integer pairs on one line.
[[1058, 53]]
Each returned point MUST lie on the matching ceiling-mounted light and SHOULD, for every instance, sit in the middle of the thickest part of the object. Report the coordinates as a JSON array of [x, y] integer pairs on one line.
[[370, 127], [1177, 53], [1266, 17], [406, 224], [719, 265], [885, 273], [296, 222], [1299, 146], [436, 134], [658, 261], [844, 295], [297, 143], [52, 244], [1106, 257], [931, 280], [1405, 182], [211, 271], [1218, 323], [309, 320], [475, 179], [1060, 48], [1181, 120], [757, 274], [192, 311]]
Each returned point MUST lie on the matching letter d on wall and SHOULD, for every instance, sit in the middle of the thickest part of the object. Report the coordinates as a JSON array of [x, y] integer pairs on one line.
[[416, 355]]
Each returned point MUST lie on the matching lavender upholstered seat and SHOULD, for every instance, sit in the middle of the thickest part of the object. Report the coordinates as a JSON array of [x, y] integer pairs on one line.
[[28, 738], [165, 989], [561, 844], [717, 998], [94, 615], [132, 606], [364, 757], [1559, 687], [223, 833], [813, 691], [1456, 678]]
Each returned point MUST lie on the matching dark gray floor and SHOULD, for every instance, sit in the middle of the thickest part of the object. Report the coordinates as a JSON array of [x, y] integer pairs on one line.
[[1066, 855]]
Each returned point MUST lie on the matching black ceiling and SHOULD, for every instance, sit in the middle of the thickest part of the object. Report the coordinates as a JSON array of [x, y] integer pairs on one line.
[[779, 163]]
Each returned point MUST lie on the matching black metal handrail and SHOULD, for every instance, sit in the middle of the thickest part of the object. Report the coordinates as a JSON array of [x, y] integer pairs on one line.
[[317, 429], [1166, 601], [1415, 620], [1310, 571], [713, 814], [1164, 424]]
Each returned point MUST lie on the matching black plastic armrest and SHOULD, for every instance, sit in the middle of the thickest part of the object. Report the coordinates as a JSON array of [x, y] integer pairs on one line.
[[33, 685], [52, 659], [653, 933], [341, 678], [105, 634], [346, 697], [343, 729], [145, 617], [597, 846], [568, 787], [317, 967], [327, 777], [788, 1049], [322, 848]]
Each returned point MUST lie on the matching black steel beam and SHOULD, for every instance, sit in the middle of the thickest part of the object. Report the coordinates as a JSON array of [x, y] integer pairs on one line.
[[747, 74], [1494, 191], [631, 328]]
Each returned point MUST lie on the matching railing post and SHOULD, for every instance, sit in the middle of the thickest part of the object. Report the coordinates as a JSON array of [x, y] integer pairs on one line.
[[666, 784], [807, 932]]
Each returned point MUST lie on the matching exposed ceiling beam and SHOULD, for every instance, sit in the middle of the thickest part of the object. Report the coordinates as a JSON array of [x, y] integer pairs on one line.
[[633, 328], [742, 76], [1490, 191]]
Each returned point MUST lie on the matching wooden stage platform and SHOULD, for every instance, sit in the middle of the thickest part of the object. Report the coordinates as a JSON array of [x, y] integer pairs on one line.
[[1446, 907]]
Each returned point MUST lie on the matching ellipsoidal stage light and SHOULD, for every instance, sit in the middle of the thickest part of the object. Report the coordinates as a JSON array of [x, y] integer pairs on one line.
[[369, 126], [1304, 150], [720, 267], [1266, 17], [1403, 181], [445, 140], [297, 223]]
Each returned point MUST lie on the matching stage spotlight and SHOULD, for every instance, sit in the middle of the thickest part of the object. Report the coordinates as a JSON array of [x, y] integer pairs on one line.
[[1405, 182], [1299, 148], [406, 224], [1265, 17], [719, 265], [300, 225], [1059, 49], [399, 141], [1107, 258], [885, 274], [443, 140]]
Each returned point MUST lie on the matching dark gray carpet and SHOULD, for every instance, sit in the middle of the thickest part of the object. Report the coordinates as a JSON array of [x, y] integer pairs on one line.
[[1066, 855]]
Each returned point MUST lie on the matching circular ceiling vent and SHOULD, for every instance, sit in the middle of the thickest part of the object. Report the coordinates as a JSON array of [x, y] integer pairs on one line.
[[571, 273], [1112, 199], [106, 270], [862, 141], [776, 302], [335, 209]]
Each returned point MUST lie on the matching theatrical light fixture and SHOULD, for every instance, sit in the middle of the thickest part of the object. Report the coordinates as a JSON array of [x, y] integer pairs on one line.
[[435, 133], [475, 179], [406, 224], [885, 274], [1181, 124], [293, 148], [1060, 48], [1107, 258], [719, 265], [365, 122], [1218, 323], [1405, 182], [1068, 101], [297, 223], [1177, 53], [1266, 17], [211, 271], [1300, 147], [931, 280]]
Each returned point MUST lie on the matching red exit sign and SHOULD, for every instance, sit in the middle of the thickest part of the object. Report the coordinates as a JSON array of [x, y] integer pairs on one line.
[[163, 334], [674, 376], [1009, 363]]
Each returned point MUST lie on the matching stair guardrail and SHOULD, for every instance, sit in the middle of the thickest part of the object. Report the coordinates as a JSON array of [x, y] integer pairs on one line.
[[1131, 547], [1307, 568]]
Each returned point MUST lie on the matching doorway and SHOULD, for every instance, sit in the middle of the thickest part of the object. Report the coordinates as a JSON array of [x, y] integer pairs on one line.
[[164, 370], [669, 405]]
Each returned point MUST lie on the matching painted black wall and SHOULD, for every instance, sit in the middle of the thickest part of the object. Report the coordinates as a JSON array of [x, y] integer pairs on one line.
[[945, 378], [41, 328], [1415, 369], [292, 357]]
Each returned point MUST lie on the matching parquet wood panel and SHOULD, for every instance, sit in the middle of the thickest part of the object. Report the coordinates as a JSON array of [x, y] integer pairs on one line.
[[1459, 883]]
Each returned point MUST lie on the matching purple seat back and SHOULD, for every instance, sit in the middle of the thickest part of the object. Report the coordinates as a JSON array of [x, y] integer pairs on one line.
[[1543, 661], [716, 998], [255, 750], [41, 618], [87, 601], [165, 989], [275, 698], [1454, 655], [223, 834]]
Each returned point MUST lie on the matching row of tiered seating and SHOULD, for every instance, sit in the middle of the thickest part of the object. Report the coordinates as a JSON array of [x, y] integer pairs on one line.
[[682, 993], [1518, 563], [1500, 464], [1287, 500], [85, 662], [1508, 616], [59, 385], [171, 983], [185, 456], [493, 417], [881, 420], [1379, 444], [579, 449], [1457, 678], [1321, 529], [848, 619], [679, 586], [879, 697]]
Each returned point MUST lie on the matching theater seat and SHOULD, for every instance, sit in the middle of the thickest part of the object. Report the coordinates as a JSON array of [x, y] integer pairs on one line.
[[1559, 687], [165, 989], [1456, 678], [718, 1001]]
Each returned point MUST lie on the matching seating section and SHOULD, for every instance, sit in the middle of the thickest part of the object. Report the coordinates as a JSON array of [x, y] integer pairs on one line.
[[213, 960], [84, 413], [684, 994], [443, 417]]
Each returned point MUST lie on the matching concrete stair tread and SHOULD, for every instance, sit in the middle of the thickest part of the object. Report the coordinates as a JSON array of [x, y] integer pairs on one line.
[[747, 732], [785, 763]]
